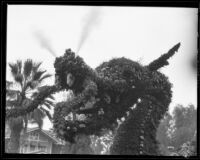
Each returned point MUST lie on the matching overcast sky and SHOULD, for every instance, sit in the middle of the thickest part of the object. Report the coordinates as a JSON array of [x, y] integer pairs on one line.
[[101, 33]]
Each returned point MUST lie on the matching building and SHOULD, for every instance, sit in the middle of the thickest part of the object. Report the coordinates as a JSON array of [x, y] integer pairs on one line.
[[39, 141]]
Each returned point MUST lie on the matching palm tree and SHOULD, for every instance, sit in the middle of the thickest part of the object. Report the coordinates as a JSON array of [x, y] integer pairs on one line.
[[27, 80]]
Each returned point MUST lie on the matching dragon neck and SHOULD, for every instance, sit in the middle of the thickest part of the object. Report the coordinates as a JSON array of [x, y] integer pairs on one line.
[[137, 134]]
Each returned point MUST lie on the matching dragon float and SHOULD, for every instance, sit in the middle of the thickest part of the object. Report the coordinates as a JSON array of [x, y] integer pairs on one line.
[[119, 88]]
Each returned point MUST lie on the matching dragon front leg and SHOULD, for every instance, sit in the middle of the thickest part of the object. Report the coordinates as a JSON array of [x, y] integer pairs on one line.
[[66, 127], [44, 92]]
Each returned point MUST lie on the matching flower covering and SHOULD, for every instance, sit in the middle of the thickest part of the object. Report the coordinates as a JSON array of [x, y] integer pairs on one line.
[[112, 89]]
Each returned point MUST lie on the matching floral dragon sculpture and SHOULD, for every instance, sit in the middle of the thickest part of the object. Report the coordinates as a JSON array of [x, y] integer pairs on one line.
[[115, 89]]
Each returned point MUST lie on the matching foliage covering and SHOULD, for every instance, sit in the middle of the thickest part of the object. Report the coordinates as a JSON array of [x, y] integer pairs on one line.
[[113, 87]]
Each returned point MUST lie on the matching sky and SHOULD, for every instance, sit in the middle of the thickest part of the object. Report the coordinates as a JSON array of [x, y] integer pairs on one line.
[[99, 34]]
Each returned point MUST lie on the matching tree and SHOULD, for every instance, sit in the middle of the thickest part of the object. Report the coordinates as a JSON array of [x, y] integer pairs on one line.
[[27, 79], [177, 132], [185, 123], [163, 134], [101, 144], [189, 148]]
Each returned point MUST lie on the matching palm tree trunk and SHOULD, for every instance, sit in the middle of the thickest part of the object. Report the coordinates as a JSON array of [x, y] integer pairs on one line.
[[14, 144], [16, 126], [81, 146]]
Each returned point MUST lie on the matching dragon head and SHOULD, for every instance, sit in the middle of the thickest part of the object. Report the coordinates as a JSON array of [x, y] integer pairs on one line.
[[70, 71]]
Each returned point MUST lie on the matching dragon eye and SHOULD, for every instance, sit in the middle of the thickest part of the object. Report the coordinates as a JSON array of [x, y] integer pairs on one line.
[[69, 79]]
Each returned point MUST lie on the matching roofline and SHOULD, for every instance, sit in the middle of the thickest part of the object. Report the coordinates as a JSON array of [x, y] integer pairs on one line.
[[45, 132], [39, 151]]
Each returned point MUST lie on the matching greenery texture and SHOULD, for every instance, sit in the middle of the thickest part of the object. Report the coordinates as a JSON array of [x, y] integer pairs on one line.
[[112, 89]]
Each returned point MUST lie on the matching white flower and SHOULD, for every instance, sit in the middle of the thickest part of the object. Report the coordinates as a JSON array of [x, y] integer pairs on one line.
[[68, 117], [139, 100], [134, 106], [100, 112], [80, 117]]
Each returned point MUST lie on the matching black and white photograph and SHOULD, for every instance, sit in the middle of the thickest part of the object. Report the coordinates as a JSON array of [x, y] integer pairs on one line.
[[101, 80]]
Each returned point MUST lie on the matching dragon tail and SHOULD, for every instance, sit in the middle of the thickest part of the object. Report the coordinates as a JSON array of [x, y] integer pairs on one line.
[[162, 60]]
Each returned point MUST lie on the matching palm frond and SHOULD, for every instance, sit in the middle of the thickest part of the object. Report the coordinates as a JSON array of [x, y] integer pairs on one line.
[[37, 75], [47, 105], [34, 84], [44, 77], [40, 113], [19, 64], [14, 69], [48, 102], [36, 66], [51, 97], [47, 113], [28, 85], [19, 78], [28, 65], [42, 88], [34, 95]]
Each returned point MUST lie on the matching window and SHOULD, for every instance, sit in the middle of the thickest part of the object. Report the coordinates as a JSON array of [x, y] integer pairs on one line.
[[34, 136], [42, 148], [32, 148]]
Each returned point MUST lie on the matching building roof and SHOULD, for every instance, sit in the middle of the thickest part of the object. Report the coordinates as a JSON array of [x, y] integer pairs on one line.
[[47, 133]]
